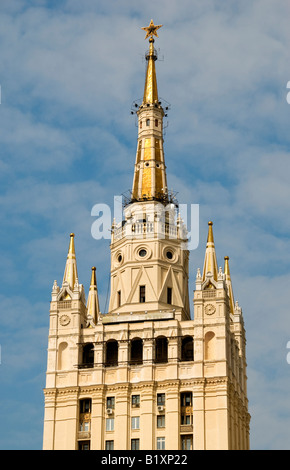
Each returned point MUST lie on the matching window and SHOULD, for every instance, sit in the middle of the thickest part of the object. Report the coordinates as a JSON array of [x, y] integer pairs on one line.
[[135, 422], [160, 443], [110, 424], [147, 122], [186, 399], [186, 442], [111, 353], [111, 403], [85, 405], [136, 401], [160, 399], [142, 294], [88, 355], [186, 419], [186, 408], [156, 122], [136, 351], [85, 426], [169, 295], [161, 353], [84, 445], [135, 444], [187, 349], [119, 298], [161, 421], [109, 445], [143, 252]]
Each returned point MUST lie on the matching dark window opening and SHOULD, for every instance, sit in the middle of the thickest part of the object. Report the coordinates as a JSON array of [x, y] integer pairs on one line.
[[186, 399], [84, 445], [85, 405], [169, 254], [160, 399], [156, 122], [136, 351], [169, 295], [109, 445], [88, 355], [142, 294], [111, 353], [111, 403], [134, 444], [187, 349], [161, 349], [136, 401], [119, 298]]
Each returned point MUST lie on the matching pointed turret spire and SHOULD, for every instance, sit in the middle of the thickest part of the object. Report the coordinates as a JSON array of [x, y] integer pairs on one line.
[[150, 181], [93, 309], [150, 89], [70, 273], [210, 261], [229, 284]]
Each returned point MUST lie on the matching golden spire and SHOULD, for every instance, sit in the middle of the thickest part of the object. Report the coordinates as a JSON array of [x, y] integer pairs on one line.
[[150, 89], [93, 299], [210, 261], [70, 273], [229, 284], [150, 182]]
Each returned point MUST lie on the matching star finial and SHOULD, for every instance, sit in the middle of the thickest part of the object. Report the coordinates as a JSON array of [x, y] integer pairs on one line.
[[151, 30]]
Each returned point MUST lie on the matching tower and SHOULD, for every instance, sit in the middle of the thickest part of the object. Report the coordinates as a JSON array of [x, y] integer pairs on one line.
[[145, 375]]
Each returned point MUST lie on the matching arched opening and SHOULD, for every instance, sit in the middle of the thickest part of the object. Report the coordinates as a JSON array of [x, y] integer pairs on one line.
[[88, 355], [111, 353], [209, 346], [63, 356], [161, 349], [136, 351], [187, 348]]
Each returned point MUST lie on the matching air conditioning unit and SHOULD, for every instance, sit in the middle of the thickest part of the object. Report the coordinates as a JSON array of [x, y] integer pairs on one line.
[[160, 408], [109, 411]]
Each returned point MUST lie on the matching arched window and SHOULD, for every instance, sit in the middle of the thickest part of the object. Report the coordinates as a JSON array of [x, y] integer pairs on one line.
[[187, 348], [111, 353], [209, 346], [136, 351], [88, 355], [63, 356], [161, 349], [147, 122]]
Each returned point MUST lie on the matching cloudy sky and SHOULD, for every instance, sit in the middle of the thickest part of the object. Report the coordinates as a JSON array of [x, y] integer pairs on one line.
[[69, 72]]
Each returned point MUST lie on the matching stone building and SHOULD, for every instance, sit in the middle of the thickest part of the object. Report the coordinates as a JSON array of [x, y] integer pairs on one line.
[[145, 375]]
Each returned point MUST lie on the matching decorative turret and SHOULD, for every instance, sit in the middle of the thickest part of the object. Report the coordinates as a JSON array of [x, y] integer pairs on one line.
[[93, 308], [70, 273], [210, 261], [229, 284]]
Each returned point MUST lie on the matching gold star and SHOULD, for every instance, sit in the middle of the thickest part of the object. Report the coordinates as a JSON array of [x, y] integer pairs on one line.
[[151, 29]]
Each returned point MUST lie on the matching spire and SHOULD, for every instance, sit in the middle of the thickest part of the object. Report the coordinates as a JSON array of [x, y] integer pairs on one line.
[[93, 309], [150, 181], [229, 284], [150, 89], [70, 273], [210, 261]]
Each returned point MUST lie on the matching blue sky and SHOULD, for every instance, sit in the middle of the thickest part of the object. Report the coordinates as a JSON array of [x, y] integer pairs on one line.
[[69, 72]]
